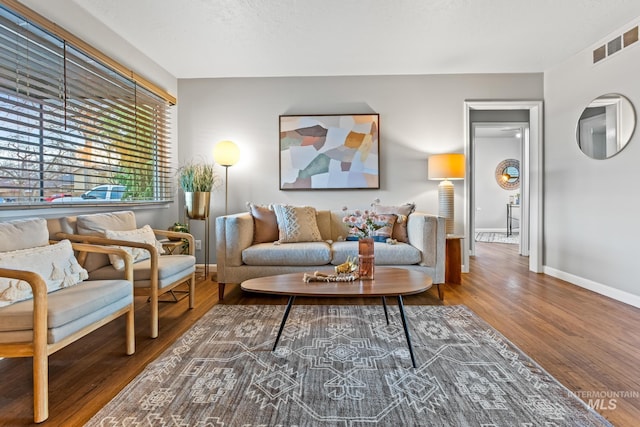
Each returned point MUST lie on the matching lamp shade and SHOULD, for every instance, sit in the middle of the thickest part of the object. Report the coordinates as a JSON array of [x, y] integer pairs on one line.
[[446, 166], [226, 153]]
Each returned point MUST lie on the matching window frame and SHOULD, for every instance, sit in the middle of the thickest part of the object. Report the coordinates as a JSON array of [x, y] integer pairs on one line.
[[141, 107]]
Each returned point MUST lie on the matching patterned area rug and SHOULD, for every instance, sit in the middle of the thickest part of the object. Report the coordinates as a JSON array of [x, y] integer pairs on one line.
[[344, 366], [483, 236]]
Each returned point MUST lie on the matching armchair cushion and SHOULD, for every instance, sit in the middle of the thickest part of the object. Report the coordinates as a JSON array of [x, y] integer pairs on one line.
[[170, 269], [23, 234], [140, 235], [68, 311], [55, 263], [96, 225]]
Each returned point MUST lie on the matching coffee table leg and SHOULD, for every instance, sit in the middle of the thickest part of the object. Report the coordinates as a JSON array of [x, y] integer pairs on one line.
[[284, 320], [406, 329], [386, 313]]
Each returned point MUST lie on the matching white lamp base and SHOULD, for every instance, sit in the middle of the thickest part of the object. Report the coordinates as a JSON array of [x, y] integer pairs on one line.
[[445, 204]]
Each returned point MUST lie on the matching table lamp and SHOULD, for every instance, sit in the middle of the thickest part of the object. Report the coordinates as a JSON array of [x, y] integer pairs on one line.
[[446, 167]]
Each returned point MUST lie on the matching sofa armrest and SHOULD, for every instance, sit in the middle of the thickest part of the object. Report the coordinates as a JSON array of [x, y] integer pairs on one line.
[[426, 232], [234, 233]]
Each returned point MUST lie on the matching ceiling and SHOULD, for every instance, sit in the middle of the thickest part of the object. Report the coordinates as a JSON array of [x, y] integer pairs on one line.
[[260, 38]]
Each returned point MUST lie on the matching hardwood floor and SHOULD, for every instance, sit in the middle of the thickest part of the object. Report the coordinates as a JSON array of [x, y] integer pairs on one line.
[[588, 342]]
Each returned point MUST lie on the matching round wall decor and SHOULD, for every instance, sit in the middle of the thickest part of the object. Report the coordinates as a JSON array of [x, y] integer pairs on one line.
[[508, 174]]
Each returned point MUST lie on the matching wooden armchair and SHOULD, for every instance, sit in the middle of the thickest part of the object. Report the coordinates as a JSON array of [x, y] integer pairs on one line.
[[153, 276], [36, 318]]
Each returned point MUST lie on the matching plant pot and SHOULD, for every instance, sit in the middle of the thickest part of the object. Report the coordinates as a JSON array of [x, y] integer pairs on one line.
[[366, 258], [197, 204]]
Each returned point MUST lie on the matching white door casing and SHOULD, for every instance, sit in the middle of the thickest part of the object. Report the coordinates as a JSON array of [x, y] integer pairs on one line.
[[531, 187]]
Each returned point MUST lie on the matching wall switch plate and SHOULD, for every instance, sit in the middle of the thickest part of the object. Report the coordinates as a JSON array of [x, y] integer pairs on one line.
[[198, 245]]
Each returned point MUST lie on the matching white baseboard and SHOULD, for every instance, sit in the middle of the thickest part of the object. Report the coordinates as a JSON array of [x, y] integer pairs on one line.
[[596, 287], [213, 268]]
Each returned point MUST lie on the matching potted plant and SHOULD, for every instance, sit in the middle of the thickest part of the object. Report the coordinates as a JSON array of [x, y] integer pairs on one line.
[[197, 181]]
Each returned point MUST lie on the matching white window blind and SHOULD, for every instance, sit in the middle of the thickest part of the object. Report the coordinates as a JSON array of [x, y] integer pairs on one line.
[[69, 123]]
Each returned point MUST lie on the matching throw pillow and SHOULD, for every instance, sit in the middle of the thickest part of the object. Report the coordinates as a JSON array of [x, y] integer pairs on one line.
[[387, 230], [265, 224], [55, 263], [141, 235], [400, 227], [381, 234], [297, 224]]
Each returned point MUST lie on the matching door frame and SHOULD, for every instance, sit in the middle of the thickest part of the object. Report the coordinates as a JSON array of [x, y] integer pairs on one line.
[[532, 185]]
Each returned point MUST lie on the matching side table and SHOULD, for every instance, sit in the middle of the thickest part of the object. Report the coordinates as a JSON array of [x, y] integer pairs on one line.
[[453, 260], [171, 246]]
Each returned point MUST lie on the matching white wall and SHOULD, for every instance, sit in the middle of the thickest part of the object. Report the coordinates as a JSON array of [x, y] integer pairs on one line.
[[419, 116], [591, 206], [74, 19], [491, 199]]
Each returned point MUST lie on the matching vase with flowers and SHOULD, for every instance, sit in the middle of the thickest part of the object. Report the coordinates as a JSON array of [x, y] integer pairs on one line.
[[364, 224]]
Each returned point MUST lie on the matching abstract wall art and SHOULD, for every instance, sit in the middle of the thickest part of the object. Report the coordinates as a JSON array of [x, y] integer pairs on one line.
[[329, 152]]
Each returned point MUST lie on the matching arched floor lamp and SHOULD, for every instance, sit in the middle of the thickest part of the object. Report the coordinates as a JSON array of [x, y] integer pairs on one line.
[[226, 153]]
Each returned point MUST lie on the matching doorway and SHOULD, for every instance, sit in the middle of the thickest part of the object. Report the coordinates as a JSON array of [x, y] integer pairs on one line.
[[497, 177], [531, 185]]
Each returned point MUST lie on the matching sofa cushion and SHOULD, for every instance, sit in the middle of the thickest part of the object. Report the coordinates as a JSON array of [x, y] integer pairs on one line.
[[140, 235], [403, 212], [265, 224], [385, 254], [23, 234], [55, 263], [308, 253], [297, 224], [75, 306], [96, 224]]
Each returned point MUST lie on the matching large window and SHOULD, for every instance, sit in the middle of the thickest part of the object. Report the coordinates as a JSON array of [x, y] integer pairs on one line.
[[70, 124]]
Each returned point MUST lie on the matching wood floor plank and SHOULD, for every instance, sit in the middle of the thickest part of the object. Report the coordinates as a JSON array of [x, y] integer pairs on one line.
[[586, 341]]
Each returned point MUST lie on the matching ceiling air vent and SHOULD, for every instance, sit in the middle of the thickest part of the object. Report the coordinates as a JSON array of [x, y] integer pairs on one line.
[[616, 44]]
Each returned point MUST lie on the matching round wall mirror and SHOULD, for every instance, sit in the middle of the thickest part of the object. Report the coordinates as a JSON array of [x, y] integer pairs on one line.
[[605, 126], [508, 174]]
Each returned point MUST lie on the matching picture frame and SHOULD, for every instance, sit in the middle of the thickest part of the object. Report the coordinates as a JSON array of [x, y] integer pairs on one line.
[[330, 152]]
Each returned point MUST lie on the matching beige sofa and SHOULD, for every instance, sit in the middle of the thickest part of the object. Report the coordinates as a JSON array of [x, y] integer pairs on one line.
[[238, 259]]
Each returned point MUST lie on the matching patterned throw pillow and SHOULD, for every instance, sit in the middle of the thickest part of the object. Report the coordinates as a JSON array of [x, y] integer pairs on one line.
[[381, 234], [403, 212], [297, 224], [387, 230], [55, 263], [141, 235], [265, 224]]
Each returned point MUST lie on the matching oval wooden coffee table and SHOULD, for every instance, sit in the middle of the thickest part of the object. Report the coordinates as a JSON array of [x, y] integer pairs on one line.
[[387, 282]]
